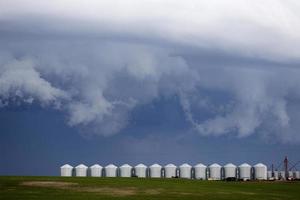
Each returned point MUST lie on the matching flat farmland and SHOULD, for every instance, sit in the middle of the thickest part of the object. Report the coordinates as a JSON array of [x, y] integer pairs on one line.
[[13, 187]]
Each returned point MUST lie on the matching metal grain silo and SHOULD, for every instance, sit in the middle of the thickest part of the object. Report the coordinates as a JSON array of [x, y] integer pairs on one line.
[[229, 171], [111, 170], [170, 171], [66, 170], [291, 174], [141, 170], [276, 175], [125, 170], [269, 175], [260, 171], [297, 174], [200, 171], [185, 171], [81, 170], [245, 172], [155, 171], [96, 170], [215, 171]]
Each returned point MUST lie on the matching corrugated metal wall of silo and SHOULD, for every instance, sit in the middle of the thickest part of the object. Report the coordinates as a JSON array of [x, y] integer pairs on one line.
[[170, 171], [245, 172], [215, 172], [111, 170], [185, 171], [66, 170], [260, 171], [229, 171], [140, 170], [81, 170], [96, 170], [125, 170], [200, 171], [155, 171]]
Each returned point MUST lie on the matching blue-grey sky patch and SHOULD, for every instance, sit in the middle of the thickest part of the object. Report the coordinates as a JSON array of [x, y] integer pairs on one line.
[[150, 73]]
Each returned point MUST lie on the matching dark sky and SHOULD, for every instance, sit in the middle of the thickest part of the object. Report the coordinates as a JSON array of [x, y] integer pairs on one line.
[[147, 82], [35, 141]]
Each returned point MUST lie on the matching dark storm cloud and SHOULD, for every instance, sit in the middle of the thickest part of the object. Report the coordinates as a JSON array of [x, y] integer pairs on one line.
[[97, 65]]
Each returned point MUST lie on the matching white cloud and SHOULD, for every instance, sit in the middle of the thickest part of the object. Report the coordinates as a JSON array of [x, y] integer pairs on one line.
[[20, 81], [268, 29], [100, 59]]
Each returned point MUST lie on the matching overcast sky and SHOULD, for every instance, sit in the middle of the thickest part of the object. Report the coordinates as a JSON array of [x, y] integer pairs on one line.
[[129, 81]]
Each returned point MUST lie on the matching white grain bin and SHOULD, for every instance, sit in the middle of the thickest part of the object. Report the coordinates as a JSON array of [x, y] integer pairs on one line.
[[96, 170], [125, 170], [81, 170], [291, 174], [185, 171], [141, 170], [245, 172], [111, 170], [230, 171], [297, 174], [276, 175], [200, 171], [170, 171], [215, 171], [260, 171], [282, 174], [155, 171], [269, 175], [66, 170]]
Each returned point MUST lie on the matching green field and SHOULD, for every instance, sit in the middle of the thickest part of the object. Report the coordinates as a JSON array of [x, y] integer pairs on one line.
[[134, 188]]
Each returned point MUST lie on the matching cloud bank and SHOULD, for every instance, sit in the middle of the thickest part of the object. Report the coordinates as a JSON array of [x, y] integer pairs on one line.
[[96, 61]]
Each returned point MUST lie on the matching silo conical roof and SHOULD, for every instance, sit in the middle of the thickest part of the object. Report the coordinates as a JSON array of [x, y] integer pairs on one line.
[[111, 166], [229, 165], [185, 165], [126, 166], [141, 165], [170, 165], [66, 166], [260, 165], [155, 165], [245, 165], [81, 166], [215, 165], [96, 166], [200, 165]]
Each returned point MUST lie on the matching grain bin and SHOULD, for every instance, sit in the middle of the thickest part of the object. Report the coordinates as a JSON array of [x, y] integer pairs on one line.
[[260, 171], [170, 171], [185, 171], [155, 171], [96, 170], [66, 170], [200, 171], [245, 172], [215, 171], [291, 174], [229, 171], [141, 170], [297, 174], [282, 174], [125, 170], [81, 170], [269, 175], [111, 170], [276, 175]]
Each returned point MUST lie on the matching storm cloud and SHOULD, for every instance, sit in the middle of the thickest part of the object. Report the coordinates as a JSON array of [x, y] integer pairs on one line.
[[237, 62]]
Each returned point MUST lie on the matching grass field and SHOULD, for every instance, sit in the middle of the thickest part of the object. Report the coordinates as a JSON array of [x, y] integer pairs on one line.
[[133, 188]]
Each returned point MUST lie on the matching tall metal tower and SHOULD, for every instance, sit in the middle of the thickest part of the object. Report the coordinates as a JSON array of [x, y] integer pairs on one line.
[[286, 169]]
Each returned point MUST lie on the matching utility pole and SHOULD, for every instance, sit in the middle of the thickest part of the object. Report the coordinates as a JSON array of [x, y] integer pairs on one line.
[[286, 169], [272, 170]]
